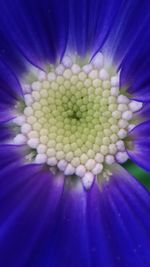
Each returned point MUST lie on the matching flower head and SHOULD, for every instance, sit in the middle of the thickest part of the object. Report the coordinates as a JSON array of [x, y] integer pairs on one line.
[[75, 107]]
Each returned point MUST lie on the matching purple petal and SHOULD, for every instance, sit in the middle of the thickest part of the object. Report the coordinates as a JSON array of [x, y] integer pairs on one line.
[[140, 153], [44, 224]]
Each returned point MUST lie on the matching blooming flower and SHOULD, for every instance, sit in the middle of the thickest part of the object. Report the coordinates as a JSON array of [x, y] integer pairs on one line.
[[74, 106]]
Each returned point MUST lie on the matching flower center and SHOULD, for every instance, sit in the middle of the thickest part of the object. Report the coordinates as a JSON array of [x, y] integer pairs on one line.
[[76, 118]]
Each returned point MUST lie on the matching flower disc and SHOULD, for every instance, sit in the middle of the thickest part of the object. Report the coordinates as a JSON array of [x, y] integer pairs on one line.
[[76, 118]]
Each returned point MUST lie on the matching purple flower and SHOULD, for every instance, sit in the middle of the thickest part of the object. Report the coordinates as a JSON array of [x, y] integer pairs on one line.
[[74, 106]]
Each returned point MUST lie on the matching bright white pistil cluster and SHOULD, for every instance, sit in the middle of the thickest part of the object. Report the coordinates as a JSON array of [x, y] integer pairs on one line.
[[76, 118]]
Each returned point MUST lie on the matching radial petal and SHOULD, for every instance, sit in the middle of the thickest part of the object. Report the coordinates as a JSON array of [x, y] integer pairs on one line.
[[44, 224], [38, 28], [28, 202], [144, 113], [140, 150], [10, 89], [65, 240]]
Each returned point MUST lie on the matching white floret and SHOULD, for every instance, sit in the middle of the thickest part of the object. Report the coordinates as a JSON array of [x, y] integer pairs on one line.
[[115, 80], [109, 159], [135, 106], [97, 169], [112, 149], [33, 142], [98, 60], [41, 149], [60, 69], [41, 75], [87, 68], [123, 123], [122, 133], [41, 158], [26, 128], [75, 68], [67, 74], [80, 171], [70, 170], [36, 86], [90, 164], [88, 180], [26, 88], [19, 120], [93, 74], [19, 139], [62, 164], [122, 107], [51, 76], [114, 91], [52, 161], [120, 145], [127, 115], [99, 157], [122, 99], [28, 99], [67, 61], [103, 74], [131, 127], [122, 157]]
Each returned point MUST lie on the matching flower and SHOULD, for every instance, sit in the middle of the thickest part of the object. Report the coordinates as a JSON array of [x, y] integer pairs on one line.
[[74, 106]]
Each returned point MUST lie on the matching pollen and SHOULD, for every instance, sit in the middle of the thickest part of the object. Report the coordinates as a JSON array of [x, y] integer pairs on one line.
[[76, 118]]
